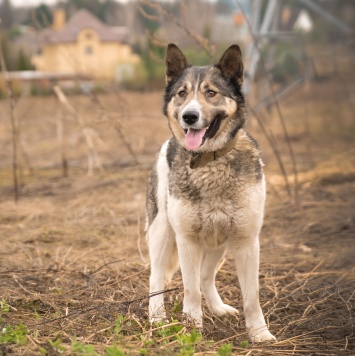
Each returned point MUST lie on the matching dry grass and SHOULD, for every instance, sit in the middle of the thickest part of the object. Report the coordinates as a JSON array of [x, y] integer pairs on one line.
[[74, 263]]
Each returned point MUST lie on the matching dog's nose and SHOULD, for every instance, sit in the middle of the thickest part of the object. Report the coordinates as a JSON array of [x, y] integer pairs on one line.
[[190, 117]]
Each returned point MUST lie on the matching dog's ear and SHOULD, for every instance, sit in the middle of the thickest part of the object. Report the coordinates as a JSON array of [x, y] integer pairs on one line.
[[231, 64], [175, 62]]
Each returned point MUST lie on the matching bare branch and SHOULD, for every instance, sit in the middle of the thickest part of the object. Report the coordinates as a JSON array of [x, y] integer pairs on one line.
[[14, 131], [274, 148], [202, 42], [89, 134]]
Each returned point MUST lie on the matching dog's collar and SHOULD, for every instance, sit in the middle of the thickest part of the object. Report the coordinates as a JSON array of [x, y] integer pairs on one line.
[[200, 159]]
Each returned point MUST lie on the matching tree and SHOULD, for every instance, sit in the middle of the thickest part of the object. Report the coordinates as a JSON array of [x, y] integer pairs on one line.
[[7, 51], [42, 16], [23, 61], [101, 9], [6, 14]]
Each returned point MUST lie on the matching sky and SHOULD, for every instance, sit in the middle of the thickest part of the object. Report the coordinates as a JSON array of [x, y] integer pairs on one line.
[[37, 2], [49, 2], [30, 2]]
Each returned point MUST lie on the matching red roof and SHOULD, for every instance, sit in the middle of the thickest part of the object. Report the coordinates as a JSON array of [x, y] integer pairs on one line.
[[81, 20]]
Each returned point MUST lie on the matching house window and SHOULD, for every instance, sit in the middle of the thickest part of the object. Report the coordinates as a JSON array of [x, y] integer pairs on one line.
[[88, 50]]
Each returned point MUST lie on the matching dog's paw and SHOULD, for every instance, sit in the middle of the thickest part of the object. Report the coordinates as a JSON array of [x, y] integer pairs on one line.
[[261, 335], [223, 309], [157, 319], [157, 316], [193, 319]]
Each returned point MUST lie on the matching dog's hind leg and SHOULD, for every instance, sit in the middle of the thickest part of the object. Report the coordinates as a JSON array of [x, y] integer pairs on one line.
[[173, 263], [210, 260]]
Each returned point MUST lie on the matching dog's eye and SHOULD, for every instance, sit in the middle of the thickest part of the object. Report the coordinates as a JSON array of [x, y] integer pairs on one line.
[[182, 93], [211, 93]]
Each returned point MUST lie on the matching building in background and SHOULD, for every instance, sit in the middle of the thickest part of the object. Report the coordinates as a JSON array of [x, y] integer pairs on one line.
[[86, 46]]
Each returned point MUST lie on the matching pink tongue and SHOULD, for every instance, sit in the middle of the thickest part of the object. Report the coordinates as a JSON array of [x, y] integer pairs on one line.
[[193, 138]]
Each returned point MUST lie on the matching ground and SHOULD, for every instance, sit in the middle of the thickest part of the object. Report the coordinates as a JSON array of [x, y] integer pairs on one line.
[[73, 259]]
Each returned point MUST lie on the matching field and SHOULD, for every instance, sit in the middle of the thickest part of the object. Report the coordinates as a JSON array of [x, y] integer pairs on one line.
[[73, 259]]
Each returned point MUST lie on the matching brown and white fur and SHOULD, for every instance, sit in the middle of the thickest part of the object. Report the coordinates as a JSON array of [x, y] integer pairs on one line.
[[195, 215]]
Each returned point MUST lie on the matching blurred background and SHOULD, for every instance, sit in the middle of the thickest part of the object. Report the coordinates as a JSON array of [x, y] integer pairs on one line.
[[81, 97], [75, 75], [77, 72]]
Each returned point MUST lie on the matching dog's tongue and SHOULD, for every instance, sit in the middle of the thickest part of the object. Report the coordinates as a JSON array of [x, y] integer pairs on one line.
[[193, 138]]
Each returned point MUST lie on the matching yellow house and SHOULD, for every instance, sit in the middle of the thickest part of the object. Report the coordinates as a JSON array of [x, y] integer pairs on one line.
[[85, 45]]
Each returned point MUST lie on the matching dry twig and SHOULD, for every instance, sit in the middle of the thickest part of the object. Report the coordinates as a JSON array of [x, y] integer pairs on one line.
[[14, 131]]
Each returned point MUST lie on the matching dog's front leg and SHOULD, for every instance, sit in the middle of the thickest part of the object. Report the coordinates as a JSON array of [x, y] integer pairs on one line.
[[161, 251], [210, 260], [190, 263], [247, 261]]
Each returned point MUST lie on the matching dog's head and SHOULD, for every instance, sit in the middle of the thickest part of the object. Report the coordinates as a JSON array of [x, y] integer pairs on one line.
[[204, 105]]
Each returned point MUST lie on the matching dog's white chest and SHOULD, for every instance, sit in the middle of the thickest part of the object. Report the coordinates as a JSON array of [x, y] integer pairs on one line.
[[210, 218], [219, 209], [210, 223]]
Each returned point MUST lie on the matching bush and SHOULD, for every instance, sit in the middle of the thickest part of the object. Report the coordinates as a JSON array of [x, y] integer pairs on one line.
[[40, 89], [288, 62], [16, 87]]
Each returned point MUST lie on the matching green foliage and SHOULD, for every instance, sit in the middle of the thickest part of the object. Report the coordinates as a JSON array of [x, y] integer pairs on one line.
[[14, 59], [148, 21], [153, 54], [42, 17], [2, 90], [153, 63], [148, 342], [153, 59], [166, 330], [23, 61], [42, 351], [4, 307], [197, 57], [14, 32], [81, 349], [139, 81], [188, 342], [114, 351], [7, 50], [119, 324], [225, 350], [40, 89], [57, 345], [14, 335], [76, 348], [177, 307], [207, 32], [101, 9], [244, 344], [288, 62]]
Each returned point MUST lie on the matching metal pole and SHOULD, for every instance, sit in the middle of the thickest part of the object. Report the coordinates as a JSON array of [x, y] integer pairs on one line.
[[265, 26]]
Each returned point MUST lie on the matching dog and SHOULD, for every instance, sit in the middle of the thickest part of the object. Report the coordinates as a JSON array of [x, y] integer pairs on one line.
[[206, 191]]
